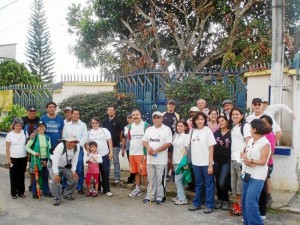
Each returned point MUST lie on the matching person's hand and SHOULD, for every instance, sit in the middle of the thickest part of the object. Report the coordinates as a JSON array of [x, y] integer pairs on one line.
[[210, 170], [123, 152], [186, 167], [33, 134], [9, 162], [110, 156], [37, 154], [243, 156], [57, 178], [150, 151], [75, 176]]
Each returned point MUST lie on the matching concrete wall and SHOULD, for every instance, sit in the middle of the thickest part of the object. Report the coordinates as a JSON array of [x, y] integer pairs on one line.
[[72, 88], [8, 51], [286, 173]]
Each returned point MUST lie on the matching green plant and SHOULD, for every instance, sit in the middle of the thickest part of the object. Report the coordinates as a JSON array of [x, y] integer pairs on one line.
[[16, 111], [92, 105]]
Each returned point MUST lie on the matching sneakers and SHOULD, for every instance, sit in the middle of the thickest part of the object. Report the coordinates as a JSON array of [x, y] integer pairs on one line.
[[88, 194], [146, 200], [159, 202], [109, 194], [236, 210], [48, 195], [194, 208], [70, 198], [80, 192], [117, 181], [179, 202], [208, 210], [56, 202], [263, 217], [174, 199], [135, 193], [94, 194], [225, 206], [218, 205]]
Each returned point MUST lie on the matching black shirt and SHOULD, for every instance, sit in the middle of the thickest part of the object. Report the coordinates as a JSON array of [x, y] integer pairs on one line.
[[30, 125], [170, 120], [115, 127], [222, 150]]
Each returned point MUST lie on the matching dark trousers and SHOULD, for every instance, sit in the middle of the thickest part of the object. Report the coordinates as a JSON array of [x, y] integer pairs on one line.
[[80, 170], [17, 176], [222, 175], [44, 173], [104, 168]]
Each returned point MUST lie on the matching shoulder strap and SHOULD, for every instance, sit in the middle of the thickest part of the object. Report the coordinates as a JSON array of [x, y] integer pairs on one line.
[[129, 135], [242, 127], [177, 116]]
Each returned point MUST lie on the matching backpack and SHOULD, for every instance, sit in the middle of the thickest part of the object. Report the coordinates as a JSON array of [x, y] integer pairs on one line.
[[146, 125]]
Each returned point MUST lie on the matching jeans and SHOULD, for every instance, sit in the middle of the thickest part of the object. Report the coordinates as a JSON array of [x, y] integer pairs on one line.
[[80, 170], [104, 168], [179, 185], [17, 176], [200, 172], [45, 175], [117, 173], [250, 196], [222, 174]]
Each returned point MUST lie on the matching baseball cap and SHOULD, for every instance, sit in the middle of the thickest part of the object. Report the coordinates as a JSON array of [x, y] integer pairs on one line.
[[129, 115], [171, 101], [42, 123], [157, 113], [227, 101], [71, 138], [256, 100], [31, 108], [68, 108], [194, 109]]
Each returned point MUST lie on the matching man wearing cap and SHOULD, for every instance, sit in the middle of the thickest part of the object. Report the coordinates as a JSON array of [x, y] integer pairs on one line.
[[68, 114], [193, 112], [170, 119], [271, 110], [201, 104], [258, 111], [30, 125], [78, 129], [227, 107], [63, 163], [157, 139]]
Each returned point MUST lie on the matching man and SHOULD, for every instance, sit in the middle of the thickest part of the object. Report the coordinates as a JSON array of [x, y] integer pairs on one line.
[[115, 126], [54, 123], [68, 114], [63, 163], [78, 129], [170, 119], [258, 111], [227, 107], [137, 156], [271, 110], [157, 139], [201, 104], [30, 125], [193, 112]]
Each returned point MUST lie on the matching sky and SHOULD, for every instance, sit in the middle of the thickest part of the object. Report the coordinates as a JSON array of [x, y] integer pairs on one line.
[[14, 25]]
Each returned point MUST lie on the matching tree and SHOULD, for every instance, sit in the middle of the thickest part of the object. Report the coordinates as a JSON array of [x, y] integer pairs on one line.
[[38, 49], [12, 72], [190, 34]]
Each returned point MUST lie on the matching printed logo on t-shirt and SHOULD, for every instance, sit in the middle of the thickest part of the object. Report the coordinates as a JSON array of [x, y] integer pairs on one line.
[[154, 140], [225, 143], [196, 138]]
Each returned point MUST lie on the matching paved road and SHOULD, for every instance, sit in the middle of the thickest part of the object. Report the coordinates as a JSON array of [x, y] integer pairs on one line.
[[118, 209]]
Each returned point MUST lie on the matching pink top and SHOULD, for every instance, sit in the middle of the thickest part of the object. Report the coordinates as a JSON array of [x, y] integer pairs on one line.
[[272, 139], [93, 161], [213, 129]]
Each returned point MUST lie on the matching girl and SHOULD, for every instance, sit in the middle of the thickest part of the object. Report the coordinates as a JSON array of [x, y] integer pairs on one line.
[[202, 140], [222, 157], [178, 152], [240, 135], [16, 158], [213, 116], [93, 160], [39, 148], [255, 171]]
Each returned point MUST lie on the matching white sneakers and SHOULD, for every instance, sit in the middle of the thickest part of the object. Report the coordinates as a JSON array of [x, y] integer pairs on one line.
[[135, 193], [109, 194]]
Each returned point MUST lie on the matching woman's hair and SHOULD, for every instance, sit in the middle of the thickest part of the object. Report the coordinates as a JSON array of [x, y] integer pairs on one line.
[[195, 117], [96, 119], [259, 127], [92, 143], [225, 118], [17, 120], [230, 115], [268, 119], [185, 124], [213, 109]]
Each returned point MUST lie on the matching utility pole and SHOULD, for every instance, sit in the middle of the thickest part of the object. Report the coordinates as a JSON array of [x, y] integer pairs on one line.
[[277, 51]]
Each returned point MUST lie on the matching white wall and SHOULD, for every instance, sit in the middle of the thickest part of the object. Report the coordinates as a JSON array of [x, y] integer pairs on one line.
[[8, 51]]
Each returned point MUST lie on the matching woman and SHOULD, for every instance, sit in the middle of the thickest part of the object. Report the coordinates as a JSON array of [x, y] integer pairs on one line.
[[255, 171], [202, 140], [16, 156], [222, 157], [240, 135], [212, 123], [105, 148], [178, 152]]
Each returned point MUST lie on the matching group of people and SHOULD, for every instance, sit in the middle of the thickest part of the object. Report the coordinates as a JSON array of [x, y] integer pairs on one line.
[[226, 151]]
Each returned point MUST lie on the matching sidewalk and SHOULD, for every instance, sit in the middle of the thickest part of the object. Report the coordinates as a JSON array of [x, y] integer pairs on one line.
[[282, 200]]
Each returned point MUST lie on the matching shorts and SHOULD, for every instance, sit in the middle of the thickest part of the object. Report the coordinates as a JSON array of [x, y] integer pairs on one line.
[[236, 180], [88, 177], [270, 170], [138, 164]]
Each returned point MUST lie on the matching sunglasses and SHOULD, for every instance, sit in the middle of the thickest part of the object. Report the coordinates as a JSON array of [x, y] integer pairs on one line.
[[32, 110], [257, 104]]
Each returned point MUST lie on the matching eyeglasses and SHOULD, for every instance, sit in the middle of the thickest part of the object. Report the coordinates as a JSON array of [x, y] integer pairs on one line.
[[257, 104], [32, 110]]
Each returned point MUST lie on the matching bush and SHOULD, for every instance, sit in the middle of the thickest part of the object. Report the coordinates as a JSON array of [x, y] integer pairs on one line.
[[92, 105], [16, 111]]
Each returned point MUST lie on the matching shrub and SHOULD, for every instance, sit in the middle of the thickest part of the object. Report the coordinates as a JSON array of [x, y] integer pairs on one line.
[[16, 111]]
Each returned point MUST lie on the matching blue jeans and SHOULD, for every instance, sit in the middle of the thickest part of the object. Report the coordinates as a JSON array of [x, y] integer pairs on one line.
[[209, 185], [117, 173], [222, 174], [80, 170], [179, 185], [250, 196]]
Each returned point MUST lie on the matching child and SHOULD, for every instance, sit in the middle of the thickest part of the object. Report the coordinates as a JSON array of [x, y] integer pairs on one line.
[[93, 160]]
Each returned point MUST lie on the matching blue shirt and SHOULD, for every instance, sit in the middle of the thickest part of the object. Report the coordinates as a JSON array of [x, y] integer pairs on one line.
[[54, 127]]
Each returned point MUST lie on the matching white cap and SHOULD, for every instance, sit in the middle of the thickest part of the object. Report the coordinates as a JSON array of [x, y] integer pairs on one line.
[[71, 138], [157, 113], [194, 109]]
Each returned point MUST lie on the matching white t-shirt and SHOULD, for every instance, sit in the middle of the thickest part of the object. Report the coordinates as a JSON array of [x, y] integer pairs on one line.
[[178, 146], [238, 143], [201, 140], [275, 126], [100, 136], [136, 135], [17, 144], [156, 137]]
